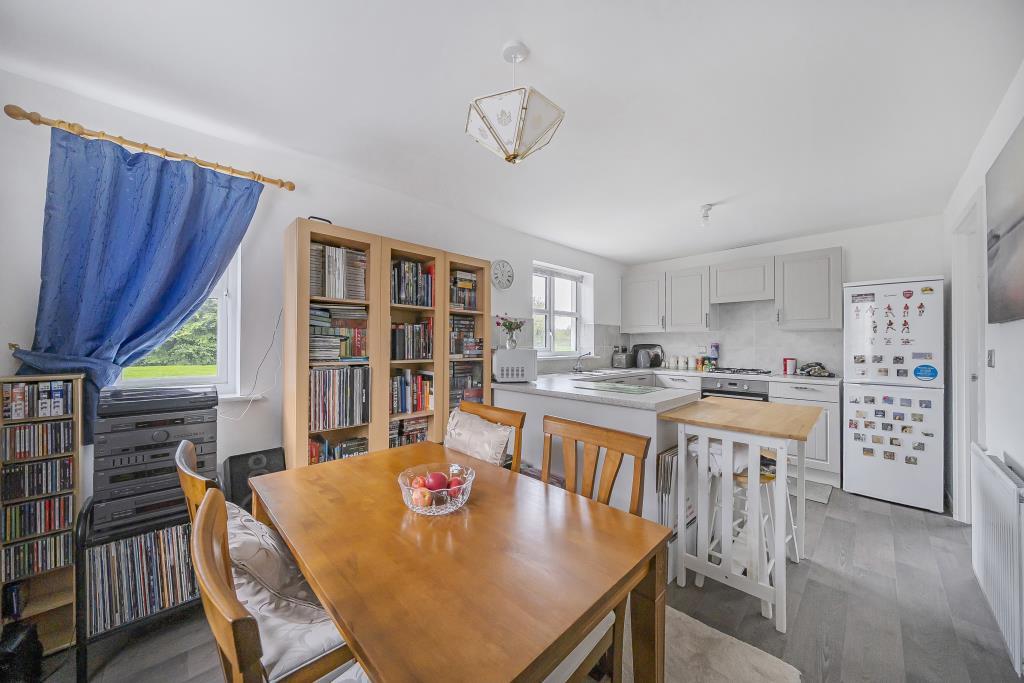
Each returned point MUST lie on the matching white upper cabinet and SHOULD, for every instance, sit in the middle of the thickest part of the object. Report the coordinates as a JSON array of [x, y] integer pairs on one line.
[[809, 290], [750, 280], [687, 302], [643, 303]]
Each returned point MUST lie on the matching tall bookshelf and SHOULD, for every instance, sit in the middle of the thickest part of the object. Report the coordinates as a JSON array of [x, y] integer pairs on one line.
[[467, 312], [39, 463], [302, 236], [387, 305]]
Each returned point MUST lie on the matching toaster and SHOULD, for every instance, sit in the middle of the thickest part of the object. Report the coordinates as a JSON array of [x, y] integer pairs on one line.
[[648, 355], [623, 359], [514, 365]]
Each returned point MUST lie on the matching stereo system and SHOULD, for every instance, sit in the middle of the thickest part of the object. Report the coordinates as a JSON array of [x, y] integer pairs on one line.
[[137, 432]]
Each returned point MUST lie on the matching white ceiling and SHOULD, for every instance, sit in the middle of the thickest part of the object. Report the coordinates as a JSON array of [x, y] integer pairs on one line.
[[796, 116]]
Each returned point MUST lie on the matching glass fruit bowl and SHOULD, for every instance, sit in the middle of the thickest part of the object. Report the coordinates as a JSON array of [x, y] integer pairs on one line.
[[436, 489]]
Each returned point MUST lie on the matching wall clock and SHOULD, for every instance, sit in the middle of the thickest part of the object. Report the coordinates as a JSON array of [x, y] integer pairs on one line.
[[502, 274]]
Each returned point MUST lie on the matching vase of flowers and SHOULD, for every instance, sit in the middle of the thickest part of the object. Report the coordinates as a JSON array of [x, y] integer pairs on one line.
[[511, 327]]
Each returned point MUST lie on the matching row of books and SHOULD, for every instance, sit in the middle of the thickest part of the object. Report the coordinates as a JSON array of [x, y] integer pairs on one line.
[[37, 399], [462, 339], [36, 440], [337, 272], [462, 290], [412, 392], [412, 283], [322, 450], [402, 432], [338, 397], [337, 332], [36, 556], [38, 517], [38, 478], [466, 383], [135, 577], [412, 341]]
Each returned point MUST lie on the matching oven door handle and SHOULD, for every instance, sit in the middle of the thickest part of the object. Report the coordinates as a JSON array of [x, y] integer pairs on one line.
[[741, 397]]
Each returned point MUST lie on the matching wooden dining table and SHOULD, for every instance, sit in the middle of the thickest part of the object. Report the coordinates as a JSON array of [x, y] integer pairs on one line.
[[502, 589]]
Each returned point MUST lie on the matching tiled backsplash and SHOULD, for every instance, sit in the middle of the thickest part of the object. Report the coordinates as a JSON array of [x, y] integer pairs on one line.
[[750, 338]]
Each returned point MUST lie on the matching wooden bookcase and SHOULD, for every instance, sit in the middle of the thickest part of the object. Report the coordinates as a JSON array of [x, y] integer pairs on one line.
[[48, 595], [383, 312], [482, 324], [297, 365]]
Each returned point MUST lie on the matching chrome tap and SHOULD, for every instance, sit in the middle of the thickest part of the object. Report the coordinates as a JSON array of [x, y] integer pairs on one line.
[[579, 362]]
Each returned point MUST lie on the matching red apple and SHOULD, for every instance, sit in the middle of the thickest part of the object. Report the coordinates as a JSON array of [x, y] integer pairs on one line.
[[437, 481], [455, 486], [422, 497], [418, 482]]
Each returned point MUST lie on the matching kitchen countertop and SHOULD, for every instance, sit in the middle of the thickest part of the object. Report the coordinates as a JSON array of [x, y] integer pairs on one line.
[[779, 420], [613, 372], [576, 388]]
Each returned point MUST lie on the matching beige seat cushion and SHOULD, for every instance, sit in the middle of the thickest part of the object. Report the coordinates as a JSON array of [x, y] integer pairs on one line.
[[475, 436], [260, 551]]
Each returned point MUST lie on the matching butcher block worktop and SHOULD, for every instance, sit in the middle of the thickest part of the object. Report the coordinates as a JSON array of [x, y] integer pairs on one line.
[[780, 420]]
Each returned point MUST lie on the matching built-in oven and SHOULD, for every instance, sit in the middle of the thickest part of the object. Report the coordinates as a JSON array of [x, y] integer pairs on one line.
[[746, 389]]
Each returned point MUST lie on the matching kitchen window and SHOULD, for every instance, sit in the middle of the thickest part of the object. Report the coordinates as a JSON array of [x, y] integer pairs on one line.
[[203, 351], [556, 310]]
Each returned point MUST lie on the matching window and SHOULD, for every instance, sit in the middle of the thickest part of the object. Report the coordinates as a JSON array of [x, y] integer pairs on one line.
[[203, 350], [556, 310]]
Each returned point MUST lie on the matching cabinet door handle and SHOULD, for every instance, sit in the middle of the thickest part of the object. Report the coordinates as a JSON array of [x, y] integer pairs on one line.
[[662, 322], [778, 315], [707, 322]]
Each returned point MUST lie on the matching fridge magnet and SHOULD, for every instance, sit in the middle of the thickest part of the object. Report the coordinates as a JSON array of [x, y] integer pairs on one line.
[[897, 360], [854, 424], [855, 399], [908, 293], [907, 429], [917, 417], [921, 355], [861, 414], [920, 309], [870, 452], [861, 372], [893, 441], [888, 311], [907, 341], [858, 359], [910, 459], [869, 400], [874, 326], [927, 290], [857, 436], [883, 372], [919, 445], [928, 434], [877, 359], [898, 417], [905, 329], [887, 400], [875, 438], [906, 402], [879, 413], [890, 326], [863, 298], [889, 455], [887, 426], [906, 310], [902, 372], [870, 424], [856, 312], [924, 403], [886, 341], [926, 372]]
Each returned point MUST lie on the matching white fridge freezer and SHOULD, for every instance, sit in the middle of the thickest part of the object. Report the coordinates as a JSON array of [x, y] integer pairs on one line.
[[893, 355]]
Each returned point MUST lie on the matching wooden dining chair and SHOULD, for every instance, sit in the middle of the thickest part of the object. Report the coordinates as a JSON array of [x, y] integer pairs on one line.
[[615, 444], [234, 628], [193, 484], [501, 416]]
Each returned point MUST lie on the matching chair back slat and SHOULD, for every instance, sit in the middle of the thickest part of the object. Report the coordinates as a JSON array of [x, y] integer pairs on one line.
[[193, 484], [615, 443], [234, 629], [502, 416]]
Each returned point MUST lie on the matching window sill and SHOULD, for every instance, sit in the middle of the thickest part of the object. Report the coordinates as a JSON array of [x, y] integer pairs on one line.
[[239, 398]]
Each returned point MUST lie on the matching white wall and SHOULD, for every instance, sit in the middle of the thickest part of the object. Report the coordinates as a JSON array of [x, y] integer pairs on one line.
[[322, 190], [1004, 429]]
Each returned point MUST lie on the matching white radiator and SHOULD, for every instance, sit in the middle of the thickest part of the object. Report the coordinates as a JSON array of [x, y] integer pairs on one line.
[[997, 544]]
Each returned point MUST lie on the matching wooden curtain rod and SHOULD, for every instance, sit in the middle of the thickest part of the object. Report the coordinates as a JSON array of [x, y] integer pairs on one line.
[[19, 114]]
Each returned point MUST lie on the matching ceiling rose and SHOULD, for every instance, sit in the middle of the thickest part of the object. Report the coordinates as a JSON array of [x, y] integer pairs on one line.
[[515, 123]]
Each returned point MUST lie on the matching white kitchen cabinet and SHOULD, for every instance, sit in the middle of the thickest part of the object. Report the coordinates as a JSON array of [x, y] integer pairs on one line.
[[643, 303], [645, 379], [822, 449], [809, 290], [678, 381], [748, 280], [687, 301]]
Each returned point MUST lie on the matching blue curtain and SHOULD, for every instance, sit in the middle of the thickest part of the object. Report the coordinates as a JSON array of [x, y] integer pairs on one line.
[[132, 245]]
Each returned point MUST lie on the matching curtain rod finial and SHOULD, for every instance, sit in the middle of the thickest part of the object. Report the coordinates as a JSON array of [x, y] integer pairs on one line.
[[15, 112]]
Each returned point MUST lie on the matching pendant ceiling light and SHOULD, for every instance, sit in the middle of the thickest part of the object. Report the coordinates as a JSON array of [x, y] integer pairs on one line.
[[516, 123]]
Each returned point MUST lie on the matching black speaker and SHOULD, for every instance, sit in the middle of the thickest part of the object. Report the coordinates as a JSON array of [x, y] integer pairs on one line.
[[21, 654], [238, 469]]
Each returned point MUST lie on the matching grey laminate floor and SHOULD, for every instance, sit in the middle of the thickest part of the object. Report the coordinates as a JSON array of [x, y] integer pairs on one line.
[[886, 594]]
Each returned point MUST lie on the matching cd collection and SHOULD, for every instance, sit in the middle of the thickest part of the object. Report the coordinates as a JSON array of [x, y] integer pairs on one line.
[[23, 400], [337, 272], [338, 397], [37, 556], [38, 478], [37, 517], [36, 440]]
